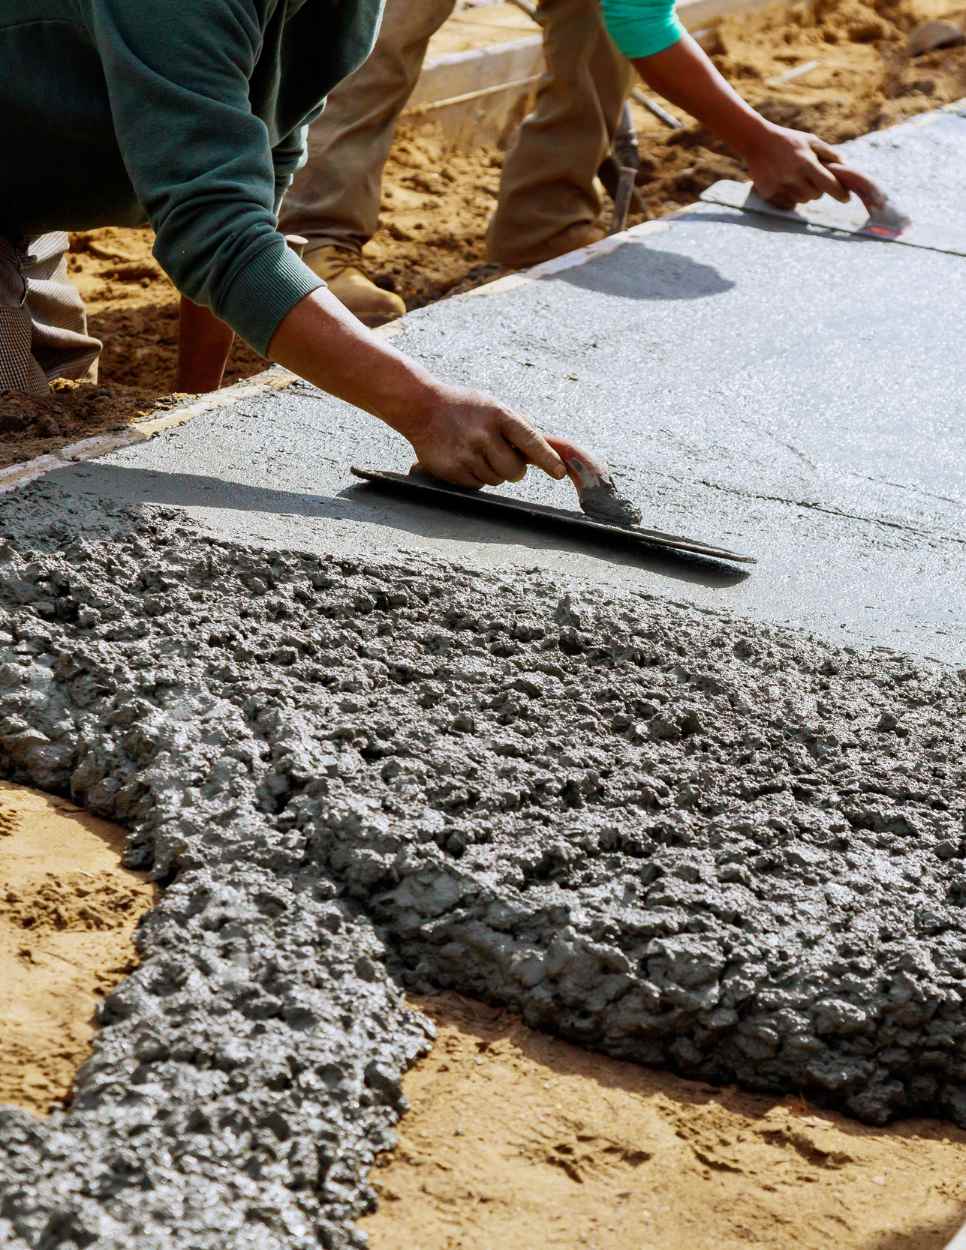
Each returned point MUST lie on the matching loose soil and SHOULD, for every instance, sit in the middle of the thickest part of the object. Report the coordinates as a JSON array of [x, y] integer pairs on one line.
[[436, 203], [67, 917], [516, 1139]]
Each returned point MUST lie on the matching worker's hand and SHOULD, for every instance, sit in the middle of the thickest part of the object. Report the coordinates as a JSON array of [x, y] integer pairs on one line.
[[471, 440], [790, 167], [872, 196]]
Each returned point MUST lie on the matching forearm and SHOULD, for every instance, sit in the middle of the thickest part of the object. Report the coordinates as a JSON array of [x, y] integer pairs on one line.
[[686, 76], [323, 342], [458, 434], [787, 167], [204, 344]]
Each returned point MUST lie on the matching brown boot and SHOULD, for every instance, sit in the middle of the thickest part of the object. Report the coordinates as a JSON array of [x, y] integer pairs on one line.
[[580, 234], [338, 266]]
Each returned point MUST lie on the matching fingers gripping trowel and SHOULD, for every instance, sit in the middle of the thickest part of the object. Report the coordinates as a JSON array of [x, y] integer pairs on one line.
[[606, 511], [875, 215]]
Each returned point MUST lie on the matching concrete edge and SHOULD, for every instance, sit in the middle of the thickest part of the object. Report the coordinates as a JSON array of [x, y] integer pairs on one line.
[[273, 379], [570, 260], [492, 51]]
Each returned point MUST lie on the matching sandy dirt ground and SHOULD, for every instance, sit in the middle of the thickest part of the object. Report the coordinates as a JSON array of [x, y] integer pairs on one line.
[[518, 1140], [67, 917], [437, 204]]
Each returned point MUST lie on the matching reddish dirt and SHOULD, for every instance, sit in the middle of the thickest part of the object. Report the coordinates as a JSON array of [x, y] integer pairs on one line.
[[436, 204], [516, 1139], [68, 912]]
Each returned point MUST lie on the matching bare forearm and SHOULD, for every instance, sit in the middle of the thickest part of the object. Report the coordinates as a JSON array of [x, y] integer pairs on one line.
[[787, 167], [457, 434], [322, 341], [686, 75]]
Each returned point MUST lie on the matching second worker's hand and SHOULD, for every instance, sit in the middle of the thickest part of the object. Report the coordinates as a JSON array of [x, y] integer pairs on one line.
[[787, 166], [790, 167], [467, 438]]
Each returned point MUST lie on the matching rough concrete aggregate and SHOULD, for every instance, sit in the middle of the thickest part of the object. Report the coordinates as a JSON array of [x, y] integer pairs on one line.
[[663, 832]]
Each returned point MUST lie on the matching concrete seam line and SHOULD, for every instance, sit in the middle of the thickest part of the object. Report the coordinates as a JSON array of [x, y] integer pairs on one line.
[[273, 379]]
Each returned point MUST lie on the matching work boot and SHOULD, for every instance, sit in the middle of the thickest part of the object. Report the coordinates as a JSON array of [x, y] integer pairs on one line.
[[580, 234], [338, 266]]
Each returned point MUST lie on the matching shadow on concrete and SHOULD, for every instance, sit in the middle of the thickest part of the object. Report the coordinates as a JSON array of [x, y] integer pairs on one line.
[[718, 214], [367, 507], [645, 273], [543, 534]]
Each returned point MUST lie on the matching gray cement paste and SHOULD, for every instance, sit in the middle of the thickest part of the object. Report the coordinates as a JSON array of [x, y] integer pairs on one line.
[[604, 503], [663, 832]]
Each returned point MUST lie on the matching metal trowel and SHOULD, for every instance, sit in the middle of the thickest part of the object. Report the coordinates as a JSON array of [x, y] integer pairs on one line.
[[605, 512]]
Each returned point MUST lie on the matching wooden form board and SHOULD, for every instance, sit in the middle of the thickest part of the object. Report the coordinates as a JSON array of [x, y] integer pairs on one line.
[[475, 94]]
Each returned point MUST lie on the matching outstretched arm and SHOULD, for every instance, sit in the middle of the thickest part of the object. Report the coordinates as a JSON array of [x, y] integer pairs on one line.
[[788, 167], [456, 433]]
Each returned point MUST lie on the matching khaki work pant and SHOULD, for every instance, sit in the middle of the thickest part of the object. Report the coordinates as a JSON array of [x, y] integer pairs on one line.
[[43, 327], [548, 175]]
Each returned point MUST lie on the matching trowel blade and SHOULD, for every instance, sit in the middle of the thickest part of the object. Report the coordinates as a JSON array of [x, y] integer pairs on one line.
[[483, 500], [851, 218]]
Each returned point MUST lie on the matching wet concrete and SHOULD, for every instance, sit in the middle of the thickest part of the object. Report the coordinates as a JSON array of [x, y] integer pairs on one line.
[[678, 837], [681, 835], [919, 164], [605, 503], [788, 395]]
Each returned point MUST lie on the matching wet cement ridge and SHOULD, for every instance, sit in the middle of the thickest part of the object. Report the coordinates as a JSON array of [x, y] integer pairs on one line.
[[683, 839]]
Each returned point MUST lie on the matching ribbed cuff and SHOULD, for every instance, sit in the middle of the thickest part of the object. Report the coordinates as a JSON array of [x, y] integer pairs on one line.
[[265, 292]]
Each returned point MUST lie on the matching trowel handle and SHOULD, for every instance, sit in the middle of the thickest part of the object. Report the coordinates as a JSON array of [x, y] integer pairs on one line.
[[885, 216], [583, 469]]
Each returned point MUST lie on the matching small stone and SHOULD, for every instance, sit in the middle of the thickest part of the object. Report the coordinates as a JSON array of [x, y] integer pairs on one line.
[[928, 36]]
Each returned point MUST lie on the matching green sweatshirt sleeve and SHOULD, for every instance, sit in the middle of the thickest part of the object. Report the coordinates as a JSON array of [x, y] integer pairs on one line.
[[641, 27], [200, 162], [288, 157]]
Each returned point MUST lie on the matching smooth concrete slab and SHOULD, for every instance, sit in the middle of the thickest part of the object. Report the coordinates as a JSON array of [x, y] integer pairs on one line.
[[920, 163], [794, 396]]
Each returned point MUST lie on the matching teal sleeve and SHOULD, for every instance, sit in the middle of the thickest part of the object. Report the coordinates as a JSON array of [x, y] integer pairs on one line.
[[201, 163], [641, 27]]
